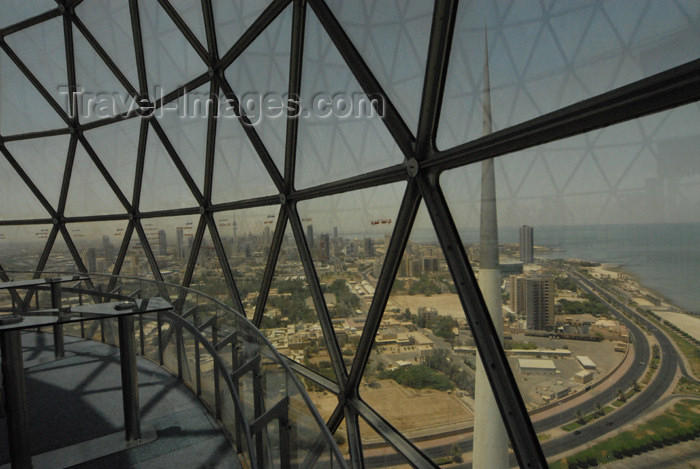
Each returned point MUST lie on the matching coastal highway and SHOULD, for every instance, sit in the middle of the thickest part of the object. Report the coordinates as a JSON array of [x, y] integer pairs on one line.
[[633, 409], [642, 353], [636, 407]]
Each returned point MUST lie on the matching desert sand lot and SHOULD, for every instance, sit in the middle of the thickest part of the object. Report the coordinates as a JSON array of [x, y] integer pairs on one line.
[[446, 303], [686, 322], [409, 410]]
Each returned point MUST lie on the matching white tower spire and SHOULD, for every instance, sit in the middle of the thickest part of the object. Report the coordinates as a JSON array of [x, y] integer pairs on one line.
[[490, 437]]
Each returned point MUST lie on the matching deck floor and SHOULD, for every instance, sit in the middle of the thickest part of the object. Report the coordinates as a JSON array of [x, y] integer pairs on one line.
[[78, 399]]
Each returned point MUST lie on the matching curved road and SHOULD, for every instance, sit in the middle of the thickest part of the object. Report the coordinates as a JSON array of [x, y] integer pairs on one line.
[[651, 393], [636, 407]]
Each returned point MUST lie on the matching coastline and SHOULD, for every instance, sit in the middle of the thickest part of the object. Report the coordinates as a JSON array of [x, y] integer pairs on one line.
[[634, 287]]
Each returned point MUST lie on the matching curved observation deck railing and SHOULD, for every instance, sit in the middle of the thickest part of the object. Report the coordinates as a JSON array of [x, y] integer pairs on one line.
[[222, 357]]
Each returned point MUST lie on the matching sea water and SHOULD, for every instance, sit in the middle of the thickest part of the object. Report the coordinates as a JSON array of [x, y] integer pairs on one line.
[[664, 257]]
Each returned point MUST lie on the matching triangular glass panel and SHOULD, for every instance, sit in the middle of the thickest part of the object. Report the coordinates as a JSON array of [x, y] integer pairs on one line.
[[512, 106], [290, 320], [21, 246], [170, 59], [238, 171], [102, 95], [110, 23], [260, 72], [231, 19], [393, 39], [60, 259], [348, 235], [98, 243], [587, 177], [207, 276], [162, 186], [247, 238], [546, 60], [186, 129], [191, 13], [171, 240], [117, 147], [18, 95], [460, 114], [44, 161], [570, 27], [417, 350], [17, 202], [14, 11], [135, 262], [662, 44], [42, 49], [88, 192], [340, 135]]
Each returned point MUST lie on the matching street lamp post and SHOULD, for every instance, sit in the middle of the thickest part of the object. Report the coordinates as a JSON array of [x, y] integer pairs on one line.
[[561, 416]]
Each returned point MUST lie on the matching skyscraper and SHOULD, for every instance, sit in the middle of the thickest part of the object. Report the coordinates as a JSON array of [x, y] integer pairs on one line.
[[180, 249], [91, 258], [310, 235], [162, 243], [107, 248], [369, 247], [325, 247], [533, 296], [526, 244]]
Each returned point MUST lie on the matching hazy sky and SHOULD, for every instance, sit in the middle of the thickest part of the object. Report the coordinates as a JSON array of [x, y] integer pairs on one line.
[[542, 55]]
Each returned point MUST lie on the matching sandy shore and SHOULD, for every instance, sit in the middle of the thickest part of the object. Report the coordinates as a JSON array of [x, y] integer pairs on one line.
[[666, 310]]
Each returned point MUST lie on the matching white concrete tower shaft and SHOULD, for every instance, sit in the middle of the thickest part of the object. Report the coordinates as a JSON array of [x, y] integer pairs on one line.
[[490, 437]]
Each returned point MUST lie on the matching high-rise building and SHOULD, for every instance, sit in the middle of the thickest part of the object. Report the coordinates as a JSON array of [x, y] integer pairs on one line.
[[107, 248], [527, 249], [91, 258], [533, 296], [310, 235], [162, 243], [369, 247], [180, 238], [325, 247]]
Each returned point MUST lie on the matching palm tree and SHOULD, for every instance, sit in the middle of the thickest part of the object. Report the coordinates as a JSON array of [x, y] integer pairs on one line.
[[621, 395], [599, 409]]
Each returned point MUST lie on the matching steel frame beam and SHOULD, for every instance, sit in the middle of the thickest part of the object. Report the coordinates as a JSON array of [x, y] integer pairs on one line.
[[666, 90], [223, 261], [442, 30], [268, 275], [27, 180], [253, 32], [503, 385], [390, 267], [392, 118], [324, 317], [296, 58]]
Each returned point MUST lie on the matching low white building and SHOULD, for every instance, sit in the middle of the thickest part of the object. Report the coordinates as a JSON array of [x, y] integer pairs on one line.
[[529, 366], [586, 362], [584, 376]]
